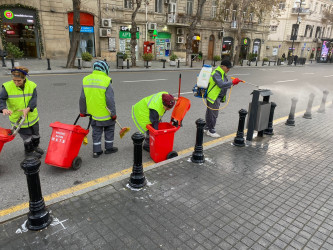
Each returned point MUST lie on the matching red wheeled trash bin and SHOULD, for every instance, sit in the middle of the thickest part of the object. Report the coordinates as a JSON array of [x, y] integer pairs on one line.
[[5, 136], [161, 140], [65, 144]]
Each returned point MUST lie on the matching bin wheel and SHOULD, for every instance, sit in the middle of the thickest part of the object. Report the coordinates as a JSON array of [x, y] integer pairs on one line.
[[172, 154], [76, 164]]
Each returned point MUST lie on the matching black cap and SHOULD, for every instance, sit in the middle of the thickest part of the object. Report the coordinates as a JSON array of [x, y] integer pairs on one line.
[[226, 63]]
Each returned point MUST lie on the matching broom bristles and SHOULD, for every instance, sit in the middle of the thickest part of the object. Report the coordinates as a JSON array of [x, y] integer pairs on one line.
[[123, 131]]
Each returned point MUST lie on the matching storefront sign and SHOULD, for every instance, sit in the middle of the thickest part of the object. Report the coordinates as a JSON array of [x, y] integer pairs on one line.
[[18, 15], [112, 44], [127, 35], [84, 29]]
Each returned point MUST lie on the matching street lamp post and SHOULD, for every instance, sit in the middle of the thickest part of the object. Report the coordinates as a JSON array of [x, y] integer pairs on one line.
[[298, 21]]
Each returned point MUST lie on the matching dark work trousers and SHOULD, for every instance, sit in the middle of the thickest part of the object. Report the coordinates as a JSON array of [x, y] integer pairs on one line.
[[97, 132], [27, 134], [211, 115], [146, 141]]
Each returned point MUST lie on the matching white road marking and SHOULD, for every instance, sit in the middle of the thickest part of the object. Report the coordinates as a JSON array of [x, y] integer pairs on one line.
[[152, 80], [308, 73], [287, 81], [328, 76], [183, 93], [288, 71]]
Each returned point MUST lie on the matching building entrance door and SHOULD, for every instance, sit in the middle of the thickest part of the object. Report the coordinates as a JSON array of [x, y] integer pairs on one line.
[[211, 47]]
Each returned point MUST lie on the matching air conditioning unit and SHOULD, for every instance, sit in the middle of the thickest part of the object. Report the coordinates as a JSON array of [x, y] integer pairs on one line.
[[106, 23], [180, 39], [152, 26], [221, 34], [104, 32], [180, 31]]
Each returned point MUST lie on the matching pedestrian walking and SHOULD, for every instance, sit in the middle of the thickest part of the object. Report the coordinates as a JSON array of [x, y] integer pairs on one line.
[[217, 90], [97, 99], [19, 97], [150, 110], [295, 59]]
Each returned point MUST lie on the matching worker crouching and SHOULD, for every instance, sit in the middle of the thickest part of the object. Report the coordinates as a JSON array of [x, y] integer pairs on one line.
[[150, 110], [97, 99], [19, 97]]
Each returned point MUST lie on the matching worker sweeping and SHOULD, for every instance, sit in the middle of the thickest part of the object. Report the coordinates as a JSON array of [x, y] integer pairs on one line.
[[19, 97], [216, 92], [150, 110], [97, 95]]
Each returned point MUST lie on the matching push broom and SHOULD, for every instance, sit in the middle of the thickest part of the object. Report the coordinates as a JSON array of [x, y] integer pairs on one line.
[[123, 130]]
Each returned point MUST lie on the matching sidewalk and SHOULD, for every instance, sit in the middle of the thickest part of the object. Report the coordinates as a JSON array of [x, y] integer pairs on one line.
[[40, 66], [274, 194]]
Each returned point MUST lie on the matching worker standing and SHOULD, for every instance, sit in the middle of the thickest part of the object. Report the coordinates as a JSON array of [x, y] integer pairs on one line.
[[217, 90], [150, 110], [19, 97], [97, 99]]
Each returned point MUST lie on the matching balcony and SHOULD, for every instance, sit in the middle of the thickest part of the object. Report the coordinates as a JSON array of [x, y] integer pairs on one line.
[[248, 26], [301, 11], [233, 24], [179, 19]]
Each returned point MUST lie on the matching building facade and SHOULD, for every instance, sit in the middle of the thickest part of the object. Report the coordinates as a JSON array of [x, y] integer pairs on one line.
[[43, 28], [300, 30]]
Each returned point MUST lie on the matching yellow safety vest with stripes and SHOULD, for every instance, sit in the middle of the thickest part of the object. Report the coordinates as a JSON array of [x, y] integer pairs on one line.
[[19, 99], [140, 111], [213, 89], [94, 87]]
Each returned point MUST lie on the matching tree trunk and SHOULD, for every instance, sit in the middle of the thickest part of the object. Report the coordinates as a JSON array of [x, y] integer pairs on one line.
[[76, 34], [133, 32], [191, 29], [239, 32]]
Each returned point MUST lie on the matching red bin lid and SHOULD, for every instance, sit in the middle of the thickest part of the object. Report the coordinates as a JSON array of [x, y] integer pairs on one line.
[[74, 128], [182, 106]]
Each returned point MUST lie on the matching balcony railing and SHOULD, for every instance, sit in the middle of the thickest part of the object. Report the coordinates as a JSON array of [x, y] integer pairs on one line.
[[293, 38], [180, 18], [233, 24]]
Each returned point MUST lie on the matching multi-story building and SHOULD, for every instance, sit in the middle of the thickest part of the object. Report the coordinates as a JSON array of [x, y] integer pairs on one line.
[[43, 28], [300, 30]]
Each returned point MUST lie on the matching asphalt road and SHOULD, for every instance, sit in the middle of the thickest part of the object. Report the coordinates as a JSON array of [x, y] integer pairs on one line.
[[58, 97]]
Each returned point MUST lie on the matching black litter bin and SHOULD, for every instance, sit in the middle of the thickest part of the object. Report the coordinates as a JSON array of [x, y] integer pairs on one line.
[[120, 59]]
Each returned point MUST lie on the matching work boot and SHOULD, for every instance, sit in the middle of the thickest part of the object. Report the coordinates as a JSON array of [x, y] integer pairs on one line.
[[35, 142], [97, 154], [29, 150], [146, 148], [214, 135], [111, 150]]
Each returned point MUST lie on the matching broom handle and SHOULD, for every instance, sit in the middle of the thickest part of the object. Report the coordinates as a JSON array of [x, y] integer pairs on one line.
[[119, 124], [116, 119], [180, 83]]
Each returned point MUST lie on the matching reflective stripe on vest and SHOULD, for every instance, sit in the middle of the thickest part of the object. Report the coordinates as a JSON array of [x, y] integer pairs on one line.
[[213, 89], [19, 99], [94, 87]]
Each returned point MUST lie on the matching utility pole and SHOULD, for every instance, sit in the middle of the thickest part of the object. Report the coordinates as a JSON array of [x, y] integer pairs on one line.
[[298, 21]]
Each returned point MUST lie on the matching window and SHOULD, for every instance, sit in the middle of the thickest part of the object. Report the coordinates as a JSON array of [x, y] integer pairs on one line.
[[315, 8], [318, 30], [307, 29], [226, 14], [251, 17], [189, 7], [282, 5], [294, 32], [323, 33], [214, 7], [273, 27], [311, 31], [158, 6], [128, 4]]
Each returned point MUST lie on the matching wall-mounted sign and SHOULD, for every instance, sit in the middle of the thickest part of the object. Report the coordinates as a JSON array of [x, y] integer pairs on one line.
[[18, 15], [8, 14], [112, 44], [84, 29]]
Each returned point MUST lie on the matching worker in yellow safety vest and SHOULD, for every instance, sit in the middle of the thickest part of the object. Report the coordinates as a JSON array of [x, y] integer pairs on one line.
[[19, 97], [97, 99], [216, 92], [150, 110]]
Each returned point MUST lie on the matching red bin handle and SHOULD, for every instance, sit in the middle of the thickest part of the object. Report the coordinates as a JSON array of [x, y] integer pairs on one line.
[[78, 117]]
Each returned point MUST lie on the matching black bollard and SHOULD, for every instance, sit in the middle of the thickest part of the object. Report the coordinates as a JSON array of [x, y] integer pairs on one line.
[[198, 156], [38, 216], [239, 139], [269, 130], [3, 62], [323, 102], [146, 64], [78, 63], [307, 114], [48, 64], [291, 118], [214, 63], [191, 63], [12, 61], [104, 60], [269, 63], [127, 63], [178, 64], [203, 63], [256, 62], [263, 63], [163, 64], [137, 178]]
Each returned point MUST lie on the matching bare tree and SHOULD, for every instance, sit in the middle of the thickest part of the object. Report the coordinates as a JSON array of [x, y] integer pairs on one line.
[[134, 30], [75, 34], [190, 30], [247, 10]]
